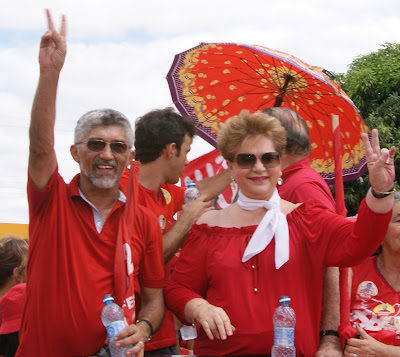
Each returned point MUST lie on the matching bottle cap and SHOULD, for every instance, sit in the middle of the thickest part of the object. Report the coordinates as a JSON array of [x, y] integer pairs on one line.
[[107, 298], [284, 299], [190, 183]]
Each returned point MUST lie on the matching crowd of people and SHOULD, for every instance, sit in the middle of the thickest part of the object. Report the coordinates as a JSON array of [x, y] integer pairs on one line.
[[113, 230]]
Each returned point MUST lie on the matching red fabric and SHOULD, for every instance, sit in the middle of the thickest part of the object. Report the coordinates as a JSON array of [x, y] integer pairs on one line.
[[123, 266], [318, 238], [11, 307], [71, 267], [301, 183], [168, 202], [374, 305], [339, 189]]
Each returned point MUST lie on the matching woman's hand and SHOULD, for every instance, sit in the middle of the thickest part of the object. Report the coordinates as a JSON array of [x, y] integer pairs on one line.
[[380, 163], [213, 319]]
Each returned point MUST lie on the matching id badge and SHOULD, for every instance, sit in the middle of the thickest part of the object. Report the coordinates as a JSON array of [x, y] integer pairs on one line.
[[188, 332]]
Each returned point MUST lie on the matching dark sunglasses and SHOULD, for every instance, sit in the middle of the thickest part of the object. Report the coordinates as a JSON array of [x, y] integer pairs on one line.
[[268, 159], [97, 145]]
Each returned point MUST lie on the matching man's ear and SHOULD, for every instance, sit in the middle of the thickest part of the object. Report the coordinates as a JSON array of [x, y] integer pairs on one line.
[[74, 153], [131, 157], [170, 150]]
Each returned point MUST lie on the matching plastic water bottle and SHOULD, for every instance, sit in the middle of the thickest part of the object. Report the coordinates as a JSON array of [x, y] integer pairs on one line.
[[191, 192], [112, 317], [284, 321]]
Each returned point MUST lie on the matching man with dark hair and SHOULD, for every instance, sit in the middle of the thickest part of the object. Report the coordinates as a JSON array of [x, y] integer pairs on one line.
[[302, 183], [81, 245], [158, 128], [162, 142]]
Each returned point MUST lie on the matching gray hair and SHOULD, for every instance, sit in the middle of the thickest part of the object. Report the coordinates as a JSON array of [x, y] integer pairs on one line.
[[102, 117]]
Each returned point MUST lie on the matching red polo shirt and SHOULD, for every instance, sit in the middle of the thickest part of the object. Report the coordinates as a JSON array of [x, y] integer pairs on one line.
[[71, 266]]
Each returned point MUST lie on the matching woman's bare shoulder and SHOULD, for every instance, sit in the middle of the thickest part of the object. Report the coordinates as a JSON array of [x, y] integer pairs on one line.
[[287, 207], [214, 217]]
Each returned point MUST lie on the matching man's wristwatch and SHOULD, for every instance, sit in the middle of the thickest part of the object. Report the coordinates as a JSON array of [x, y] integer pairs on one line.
[[323, 333], [150, 325]]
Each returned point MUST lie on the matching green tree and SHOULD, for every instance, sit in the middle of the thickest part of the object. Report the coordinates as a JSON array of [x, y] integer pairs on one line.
[[372, 78], [373, 82]]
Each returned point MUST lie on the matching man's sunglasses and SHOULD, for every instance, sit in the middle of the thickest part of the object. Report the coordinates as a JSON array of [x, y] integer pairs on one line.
[[97, 145], [268, 159]]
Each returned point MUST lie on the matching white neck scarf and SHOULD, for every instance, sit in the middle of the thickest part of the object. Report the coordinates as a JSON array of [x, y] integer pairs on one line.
[[274, 223]]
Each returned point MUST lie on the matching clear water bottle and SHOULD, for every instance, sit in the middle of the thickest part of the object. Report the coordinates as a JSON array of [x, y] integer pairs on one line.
[[191, 192], [112, 317], [284, 321]]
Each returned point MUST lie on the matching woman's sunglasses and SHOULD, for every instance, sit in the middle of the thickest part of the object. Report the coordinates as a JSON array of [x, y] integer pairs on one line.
[[97, 145], [268, 159]]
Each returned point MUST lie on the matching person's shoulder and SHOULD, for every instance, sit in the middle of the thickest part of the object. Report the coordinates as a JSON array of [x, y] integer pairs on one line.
[[287, 207], [212, 218], [309, 208]]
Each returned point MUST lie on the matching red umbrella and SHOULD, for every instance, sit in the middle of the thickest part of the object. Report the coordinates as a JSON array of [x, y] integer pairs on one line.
[[214, 81]]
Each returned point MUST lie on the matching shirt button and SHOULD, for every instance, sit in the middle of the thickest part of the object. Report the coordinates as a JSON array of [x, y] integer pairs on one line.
[[253, 266], [255, 289]]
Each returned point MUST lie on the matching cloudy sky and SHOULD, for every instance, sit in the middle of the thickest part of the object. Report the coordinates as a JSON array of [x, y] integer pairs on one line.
[[120, 51]]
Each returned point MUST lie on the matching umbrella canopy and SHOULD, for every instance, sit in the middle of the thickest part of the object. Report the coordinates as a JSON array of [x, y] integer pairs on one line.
[[214, 81]]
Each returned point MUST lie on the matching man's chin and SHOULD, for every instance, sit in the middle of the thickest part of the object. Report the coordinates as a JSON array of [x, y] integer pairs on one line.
[[104, 182]]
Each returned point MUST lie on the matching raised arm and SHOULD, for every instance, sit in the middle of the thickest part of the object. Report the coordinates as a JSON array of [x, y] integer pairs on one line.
[[212, 186], [176, 235], [42, 157]]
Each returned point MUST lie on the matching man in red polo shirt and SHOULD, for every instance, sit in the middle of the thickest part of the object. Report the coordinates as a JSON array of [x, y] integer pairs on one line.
[[82, 245], [299, 184], [162, 142]]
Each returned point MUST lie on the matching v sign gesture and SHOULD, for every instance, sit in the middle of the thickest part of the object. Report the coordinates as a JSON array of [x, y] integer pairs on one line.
[[381, 174], [42, 157], [52, 46]]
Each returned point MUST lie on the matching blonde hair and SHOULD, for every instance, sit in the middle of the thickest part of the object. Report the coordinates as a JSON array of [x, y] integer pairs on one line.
[[240, 127], [13, 254]]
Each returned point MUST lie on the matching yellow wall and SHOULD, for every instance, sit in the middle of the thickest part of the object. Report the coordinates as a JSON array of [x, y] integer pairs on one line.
[[14, 228]]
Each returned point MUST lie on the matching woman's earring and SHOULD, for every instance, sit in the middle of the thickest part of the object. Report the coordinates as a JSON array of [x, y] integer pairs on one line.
[[280, 181], [233, 183]]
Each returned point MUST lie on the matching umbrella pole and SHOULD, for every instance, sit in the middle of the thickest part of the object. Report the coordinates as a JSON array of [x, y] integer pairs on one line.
[[279, 98], [339, 189]]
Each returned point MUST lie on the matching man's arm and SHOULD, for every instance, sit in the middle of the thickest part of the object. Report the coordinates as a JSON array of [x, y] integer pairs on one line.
[[42, 157], [330, 319], [211, 187], [152, 310], [174, 238]]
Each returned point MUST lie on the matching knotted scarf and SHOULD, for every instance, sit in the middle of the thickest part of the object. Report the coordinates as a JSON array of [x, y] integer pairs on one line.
[[274, 223]]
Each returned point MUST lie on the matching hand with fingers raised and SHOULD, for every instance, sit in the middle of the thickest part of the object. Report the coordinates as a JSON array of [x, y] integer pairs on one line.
[[53, 46], [381, 173]]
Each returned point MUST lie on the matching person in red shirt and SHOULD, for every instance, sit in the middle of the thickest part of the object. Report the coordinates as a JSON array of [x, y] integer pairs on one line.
[[81, 245], [13, 262], [375, 299], [301, 183], [238, 261], [162, 141]]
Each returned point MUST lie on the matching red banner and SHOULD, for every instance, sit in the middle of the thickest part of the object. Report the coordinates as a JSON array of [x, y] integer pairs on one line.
[[206, 166]]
